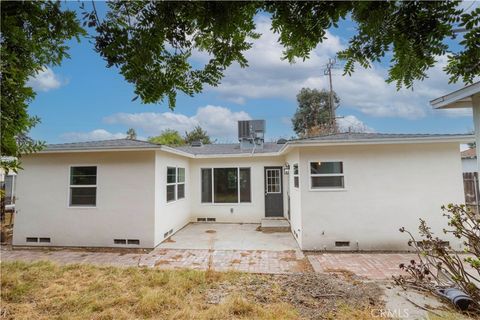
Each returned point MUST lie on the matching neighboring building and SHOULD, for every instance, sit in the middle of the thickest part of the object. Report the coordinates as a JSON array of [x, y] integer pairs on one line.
[[346, 191], [469, 160]]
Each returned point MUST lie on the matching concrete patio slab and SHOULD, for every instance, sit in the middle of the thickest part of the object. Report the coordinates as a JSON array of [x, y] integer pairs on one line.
[[229, 236]]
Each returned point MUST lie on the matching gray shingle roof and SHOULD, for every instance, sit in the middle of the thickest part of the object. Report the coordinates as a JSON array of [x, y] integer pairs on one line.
[[346, 136], [234, 148], [103, 144], [228, 148]]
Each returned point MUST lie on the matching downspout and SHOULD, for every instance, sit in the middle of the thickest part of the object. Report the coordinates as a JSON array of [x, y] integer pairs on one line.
[[254, 146], [476, 123]]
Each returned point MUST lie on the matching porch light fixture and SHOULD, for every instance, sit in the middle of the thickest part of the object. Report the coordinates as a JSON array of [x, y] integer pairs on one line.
[[286, 169]]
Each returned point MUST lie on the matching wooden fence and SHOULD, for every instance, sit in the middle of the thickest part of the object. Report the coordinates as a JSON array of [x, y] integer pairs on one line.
[[472, 192]]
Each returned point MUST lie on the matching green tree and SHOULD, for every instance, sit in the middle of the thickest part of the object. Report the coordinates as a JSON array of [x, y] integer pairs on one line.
[[197, 134], [33, 35], [168, 137], [313, 114], [151, 42], [131, 134]]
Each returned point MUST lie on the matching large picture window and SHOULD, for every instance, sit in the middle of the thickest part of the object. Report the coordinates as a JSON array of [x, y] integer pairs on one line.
[[83, 186], [226, 185], [327, 175], [175, 183]]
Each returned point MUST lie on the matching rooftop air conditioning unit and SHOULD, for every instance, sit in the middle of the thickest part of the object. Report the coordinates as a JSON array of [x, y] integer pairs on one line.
[[251, 133]]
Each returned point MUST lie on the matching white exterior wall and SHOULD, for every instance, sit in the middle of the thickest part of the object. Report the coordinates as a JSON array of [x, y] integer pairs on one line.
[[469, 165], [239, 212], [125, 200], [292, 158], [386, 187], [172, 215]]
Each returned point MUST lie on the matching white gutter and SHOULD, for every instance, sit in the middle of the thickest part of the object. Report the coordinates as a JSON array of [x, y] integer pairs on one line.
[[176, 151], [461, 98], [97, 150]]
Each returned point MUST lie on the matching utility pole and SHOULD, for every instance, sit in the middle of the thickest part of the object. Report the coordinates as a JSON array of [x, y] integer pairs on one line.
[[328, 71]]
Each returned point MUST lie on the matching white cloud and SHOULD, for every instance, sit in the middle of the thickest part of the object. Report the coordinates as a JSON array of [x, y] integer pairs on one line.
[[366, 90], [45, 80], [352, 123], [97, 134], [218, 121]]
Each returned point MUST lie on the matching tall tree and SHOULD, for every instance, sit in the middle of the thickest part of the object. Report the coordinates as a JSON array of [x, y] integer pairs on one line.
[[151, 42], [313, 115], [33, 35], [131, 134], [197, 134], [168, 137]]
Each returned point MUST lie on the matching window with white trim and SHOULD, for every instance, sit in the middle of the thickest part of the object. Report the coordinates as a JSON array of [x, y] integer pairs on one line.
[[226, 185], [175, 183], [83, 186], [9, 187], [327, 175], [296, 178]]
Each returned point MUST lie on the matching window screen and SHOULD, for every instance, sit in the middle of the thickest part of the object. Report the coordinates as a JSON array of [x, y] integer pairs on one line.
[[83, 186], [225, 185], [206, 185], [327, 175], [245, 192], [296, 179]]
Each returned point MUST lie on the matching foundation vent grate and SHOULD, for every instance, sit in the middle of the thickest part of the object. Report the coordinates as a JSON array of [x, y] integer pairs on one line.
[[342, 243]]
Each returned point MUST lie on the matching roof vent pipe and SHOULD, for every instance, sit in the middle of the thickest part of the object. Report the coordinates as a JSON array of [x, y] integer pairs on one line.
[[197, 143]]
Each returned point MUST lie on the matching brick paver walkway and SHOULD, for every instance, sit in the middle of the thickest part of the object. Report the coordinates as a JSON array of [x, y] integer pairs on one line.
[[256, 261], [66, 256], [375, 266]]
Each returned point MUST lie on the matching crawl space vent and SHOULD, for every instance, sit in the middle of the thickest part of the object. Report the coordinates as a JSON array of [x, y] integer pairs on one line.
[[32, 239], [201, 219], [211, 219], [342, 243], [126, 241]]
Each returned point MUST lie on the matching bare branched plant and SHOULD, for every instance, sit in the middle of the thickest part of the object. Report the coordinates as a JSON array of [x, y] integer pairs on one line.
[[439, 265]]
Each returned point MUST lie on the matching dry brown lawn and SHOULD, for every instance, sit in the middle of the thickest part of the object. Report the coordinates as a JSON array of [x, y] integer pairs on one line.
[[44, 290]]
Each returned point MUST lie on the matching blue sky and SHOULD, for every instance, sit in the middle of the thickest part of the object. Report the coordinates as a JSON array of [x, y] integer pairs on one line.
[[83, 100]]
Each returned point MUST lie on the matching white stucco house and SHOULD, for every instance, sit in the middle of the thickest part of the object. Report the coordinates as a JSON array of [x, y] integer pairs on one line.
[[346, 191]]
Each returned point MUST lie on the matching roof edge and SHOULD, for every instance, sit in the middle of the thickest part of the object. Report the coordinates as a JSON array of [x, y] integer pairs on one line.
[[457, 99], [461, 138]]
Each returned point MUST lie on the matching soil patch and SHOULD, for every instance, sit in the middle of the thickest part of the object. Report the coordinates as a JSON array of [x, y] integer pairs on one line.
[[315, 296]]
